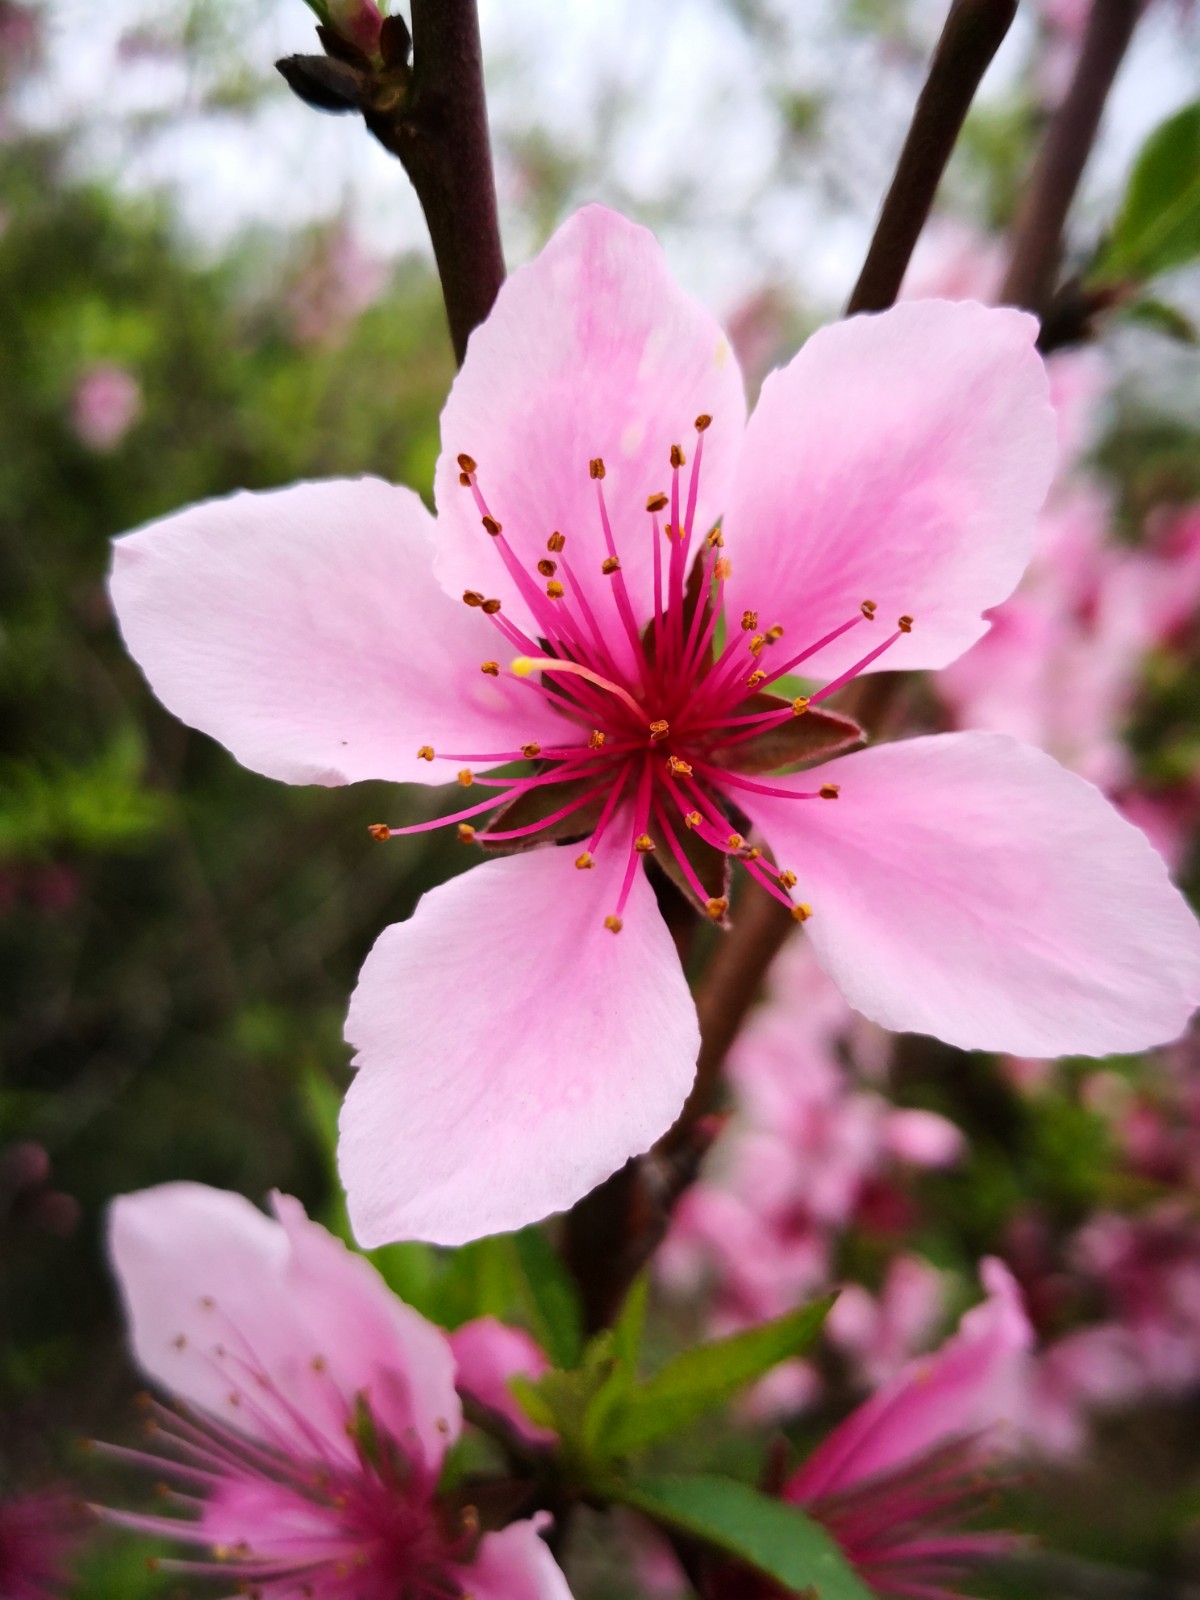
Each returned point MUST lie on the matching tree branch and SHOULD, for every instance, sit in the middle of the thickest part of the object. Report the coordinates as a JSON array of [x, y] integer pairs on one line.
[[973, 32], [1037, 248]]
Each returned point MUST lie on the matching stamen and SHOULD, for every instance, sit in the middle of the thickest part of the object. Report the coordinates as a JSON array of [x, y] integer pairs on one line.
[[802, 911], [717, 907], [490, 608], [379, 830], [472, 597], [466, 832], [613, 924], [905, 624], [659, 731], [492, 668], [585, 861], [677, 457], [830, 791], [467, 464], [656, 502], [555, 589], [547, 568], [596, 467], [596, 739], [555, 543], [749, 621], [492, 526], [609, 565], [702, 422], [524, 666], [425, 753], [643, 844], [868, 609], [466, 777], [529, 751], [853, 672]]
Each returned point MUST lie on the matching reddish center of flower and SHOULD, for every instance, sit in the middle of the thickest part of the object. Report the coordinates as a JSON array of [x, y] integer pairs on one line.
[[664, 726]]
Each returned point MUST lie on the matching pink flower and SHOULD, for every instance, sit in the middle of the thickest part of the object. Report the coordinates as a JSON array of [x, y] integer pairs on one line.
[[319, 1409], [38, 1533], [489, 1356], [512, 1052], [105, 405], [895, 1481]]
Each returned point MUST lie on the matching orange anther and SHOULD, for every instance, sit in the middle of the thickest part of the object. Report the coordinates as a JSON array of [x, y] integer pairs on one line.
[[756, 677], [656, 502], [472, 597], [467, 464], [466, 777], [799, 705], [749, 621], [787, 878], [643, 844], [547, 568], [585, 861], [905, 624], [490, 607], [492, 526], [492, 668], [596, 467], [659, 731], [555, 542], [555, 589], [693, 819], [802, 912], [530, 750], [677, 456], [466, 833], [380, 831], [868, 609], [830, 791], [609, 565], [716, 907], [595, 740], [703, 421], [613, 924], [425, 753]]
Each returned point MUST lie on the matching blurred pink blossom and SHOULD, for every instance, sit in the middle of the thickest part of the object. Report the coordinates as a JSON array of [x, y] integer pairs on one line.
[[106, 403], [880, 1333], [336, 283], [38, 1536], [489, 1355]]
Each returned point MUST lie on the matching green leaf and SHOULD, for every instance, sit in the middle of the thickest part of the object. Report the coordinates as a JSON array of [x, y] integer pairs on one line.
[[700, 1380], [1158, 227], [552, 1304], [1163, 318], [630, 1325], [771, 1535]]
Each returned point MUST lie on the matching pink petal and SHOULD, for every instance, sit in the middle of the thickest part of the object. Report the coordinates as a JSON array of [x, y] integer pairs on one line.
[[899, 458], [973, 1383], [591, 350], [304, 630], [512, 1052], [515, 1564], [923, 1138], [968, 886], [489, 1354], [219, 1297]]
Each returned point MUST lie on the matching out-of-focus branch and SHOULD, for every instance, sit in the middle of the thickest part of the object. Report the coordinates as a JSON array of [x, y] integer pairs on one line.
[[973, 32], [1037, 247]]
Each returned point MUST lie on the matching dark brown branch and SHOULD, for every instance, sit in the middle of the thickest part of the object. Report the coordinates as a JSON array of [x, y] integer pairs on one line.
[[1037, 249], [438, 128], [973, 32]]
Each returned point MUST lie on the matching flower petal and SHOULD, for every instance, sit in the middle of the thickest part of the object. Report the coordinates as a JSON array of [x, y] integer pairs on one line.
[[304, 630], [489, 1355], [221, 1301], [899, 458], [968, 886], [590, 350], [512, 1052], [515, 1564]]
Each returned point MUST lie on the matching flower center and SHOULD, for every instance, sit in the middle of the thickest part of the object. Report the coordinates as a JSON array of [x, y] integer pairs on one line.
[[663, 726]]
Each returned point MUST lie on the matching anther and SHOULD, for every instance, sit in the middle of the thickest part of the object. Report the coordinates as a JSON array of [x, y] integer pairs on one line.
[[703, 421], [318, 1363], [555, 589], [585, 861], [609, 565], [596, 467], [716, 539], [756, 677], [868, 609], [735, 841], [677, 456], [679, 767], [466, 777], [595, 739], [656, 502], [547, 568], [180, 1341], [467, 464], [465, 479], [492, 668], [380, 831], [722, 568], [693, 819], [490, 607], [555, 542], [613, 924], [472, 597], [775, 631], [787, 878], [530, 750], [799, 705], [905, 624], [749, 621], [752, 854], [466, 833], [716, 907], [643, 844], [425, 753], [830, 791], [659, 731], [757, 643], [492, 526], [802, 912]]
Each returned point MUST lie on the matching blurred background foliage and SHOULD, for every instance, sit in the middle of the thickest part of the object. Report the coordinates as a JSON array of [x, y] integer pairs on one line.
[[178, 936]]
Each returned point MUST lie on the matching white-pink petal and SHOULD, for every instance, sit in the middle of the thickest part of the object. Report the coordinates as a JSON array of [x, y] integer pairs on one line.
[[489, 1355], [304, 629], [899, 458], [515, 1564], [967, 886], [275, 1326], [592, 349], [511, 1051]]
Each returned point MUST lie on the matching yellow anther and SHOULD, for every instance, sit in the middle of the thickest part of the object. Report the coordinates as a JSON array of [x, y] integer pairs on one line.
[[425, 753], [775, 631], [799, 705], [613, 924], [693, 819], [677, 456], [757, 643], [868, 609], [472, 597], [466, 833], [787, 878], [722, 569], [466, 777], [716, 907], [555, 542], [735, 841], [802, 912], [752, 854], [643, 844], [530, 750], [656, 502], [595, 739], [380, 831], [756, 677], [659, 731], [467, 464], [679, 767], [491, 668], [749, 621], [585, 861], [555, 589], [830, 791], [490, 607], [522, 666], [716, 539], [465, 479], [703, 421], [492, 526], [596, 467], [609, 565], [547, 568], [669, 531], [905, 624]]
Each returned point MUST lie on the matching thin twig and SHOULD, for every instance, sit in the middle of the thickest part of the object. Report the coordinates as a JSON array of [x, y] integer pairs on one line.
[[973, 33], [1037, 248]]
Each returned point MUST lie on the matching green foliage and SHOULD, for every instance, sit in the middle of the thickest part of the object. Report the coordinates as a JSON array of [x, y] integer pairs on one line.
[[1158, 225], [551, 1301]]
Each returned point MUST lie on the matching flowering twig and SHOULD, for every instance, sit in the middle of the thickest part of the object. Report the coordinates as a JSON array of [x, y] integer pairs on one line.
[[1037, 246], [973, 32]]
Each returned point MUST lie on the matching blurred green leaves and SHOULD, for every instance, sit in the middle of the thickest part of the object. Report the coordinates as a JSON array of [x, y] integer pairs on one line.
[[1158, 226]]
